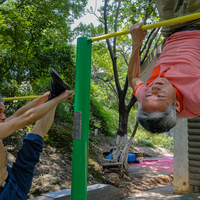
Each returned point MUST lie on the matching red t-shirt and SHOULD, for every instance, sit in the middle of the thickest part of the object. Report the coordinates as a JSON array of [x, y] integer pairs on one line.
[[180, 64]]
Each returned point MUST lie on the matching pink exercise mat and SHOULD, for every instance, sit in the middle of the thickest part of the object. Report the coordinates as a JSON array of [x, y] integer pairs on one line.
[[161, 164]]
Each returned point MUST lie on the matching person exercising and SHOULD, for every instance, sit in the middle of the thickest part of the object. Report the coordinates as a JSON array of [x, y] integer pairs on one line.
[[172, 90], [15, 182]]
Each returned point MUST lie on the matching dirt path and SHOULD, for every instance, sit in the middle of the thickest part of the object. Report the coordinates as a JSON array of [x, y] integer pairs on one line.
[[53, 172], [140, 179]]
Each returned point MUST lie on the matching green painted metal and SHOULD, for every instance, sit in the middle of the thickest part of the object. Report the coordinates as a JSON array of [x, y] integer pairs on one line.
[[81, 104]]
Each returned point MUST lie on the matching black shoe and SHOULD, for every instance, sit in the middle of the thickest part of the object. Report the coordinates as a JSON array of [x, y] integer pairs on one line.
[[57, 84]]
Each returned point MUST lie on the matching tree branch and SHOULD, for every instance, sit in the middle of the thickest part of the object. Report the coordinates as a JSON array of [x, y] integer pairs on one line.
[[146, 14], [126, 83], [128, 49], [98, 18], [148, 47], [125, 87], [124, 154], [131, 103], [95, 13], [110, 50], [1, 2], [32, 39], [111, 87], [147, 41], [115, 26], [105, 17], [8, 67], [134, 131], [114, 49], [157, 42]]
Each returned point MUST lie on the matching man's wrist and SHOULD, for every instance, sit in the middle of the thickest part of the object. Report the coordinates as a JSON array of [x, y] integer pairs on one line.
[[46, 95], [136, 46]]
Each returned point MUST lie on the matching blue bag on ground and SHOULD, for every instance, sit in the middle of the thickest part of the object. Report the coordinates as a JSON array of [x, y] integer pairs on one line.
[[131, 157]]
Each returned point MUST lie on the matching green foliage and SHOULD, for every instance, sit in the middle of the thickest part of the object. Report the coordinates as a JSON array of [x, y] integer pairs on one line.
[[60, 136], [109, 65], [64, 112], [97, 139], [100, 119], [34, 36], [94, 169], [148, 139], [42, 85], [14, 89], [145, 143]]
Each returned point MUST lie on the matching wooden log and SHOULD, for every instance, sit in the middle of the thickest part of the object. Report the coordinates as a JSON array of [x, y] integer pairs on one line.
[[112, 164]]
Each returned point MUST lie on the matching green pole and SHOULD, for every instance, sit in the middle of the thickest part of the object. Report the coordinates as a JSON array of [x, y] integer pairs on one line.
[[81, 119]]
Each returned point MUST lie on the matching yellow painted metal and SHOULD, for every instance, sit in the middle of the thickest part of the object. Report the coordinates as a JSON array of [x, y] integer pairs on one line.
[[150, 26], [25, 98], [20, 98]]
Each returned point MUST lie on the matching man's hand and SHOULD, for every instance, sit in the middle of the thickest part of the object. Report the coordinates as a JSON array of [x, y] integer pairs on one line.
[[66, 96], [134, 64], [137, 34], [46, 94]]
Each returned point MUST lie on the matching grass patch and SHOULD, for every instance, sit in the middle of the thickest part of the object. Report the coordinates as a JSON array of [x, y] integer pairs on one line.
[[153, 140]]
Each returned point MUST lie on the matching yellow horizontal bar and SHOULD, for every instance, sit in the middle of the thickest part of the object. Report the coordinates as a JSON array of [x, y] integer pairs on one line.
[[20, 98], [173, 21], [151, 26], [26, 97]]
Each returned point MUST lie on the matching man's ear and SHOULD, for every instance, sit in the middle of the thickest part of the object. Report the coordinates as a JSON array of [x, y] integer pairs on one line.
[[177, 105]]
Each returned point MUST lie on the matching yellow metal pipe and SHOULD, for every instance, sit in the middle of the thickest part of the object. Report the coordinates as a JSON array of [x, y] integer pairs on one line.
[[20, 98], [124, 32], [25, 98], [150, 26]]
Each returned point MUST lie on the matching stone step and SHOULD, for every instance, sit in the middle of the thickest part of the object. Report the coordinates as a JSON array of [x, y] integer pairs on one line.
[[97, 192]]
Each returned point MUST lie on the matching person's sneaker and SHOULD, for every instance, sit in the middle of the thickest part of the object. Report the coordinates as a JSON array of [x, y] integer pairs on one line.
[[57, 84]]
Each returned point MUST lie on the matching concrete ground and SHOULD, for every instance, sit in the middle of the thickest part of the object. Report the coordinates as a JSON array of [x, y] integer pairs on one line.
[[158, 180], [144, 179], [151, 179], [161, 193]]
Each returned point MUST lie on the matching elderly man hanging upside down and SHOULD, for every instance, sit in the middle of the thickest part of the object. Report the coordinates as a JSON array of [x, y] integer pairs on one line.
[[15, 182], [172, 91]]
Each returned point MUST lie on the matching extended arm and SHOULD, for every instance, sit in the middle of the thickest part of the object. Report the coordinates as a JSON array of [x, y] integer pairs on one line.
[[32, 104], [30, 116], [134, 64]]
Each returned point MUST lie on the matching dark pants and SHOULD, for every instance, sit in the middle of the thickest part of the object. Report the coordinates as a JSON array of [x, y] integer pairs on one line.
[[22, 171]]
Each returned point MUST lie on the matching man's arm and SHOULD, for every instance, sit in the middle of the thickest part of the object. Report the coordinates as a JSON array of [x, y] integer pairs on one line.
[[134, 64], [32, 115], [32, 104]]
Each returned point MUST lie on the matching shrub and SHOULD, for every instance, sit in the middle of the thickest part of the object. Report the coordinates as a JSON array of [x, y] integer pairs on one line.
[[161, 140], [100, 119]]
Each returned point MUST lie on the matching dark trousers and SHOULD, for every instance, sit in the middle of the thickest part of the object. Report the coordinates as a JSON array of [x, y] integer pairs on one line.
[[22, 171]]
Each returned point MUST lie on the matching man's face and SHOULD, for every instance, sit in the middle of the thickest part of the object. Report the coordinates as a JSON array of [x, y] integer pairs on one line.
[[159, 96], [2, 113]]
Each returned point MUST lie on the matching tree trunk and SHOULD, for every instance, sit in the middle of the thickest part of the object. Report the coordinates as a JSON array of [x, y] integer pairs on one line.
[[124, 155], [122, 131], [117, 149]]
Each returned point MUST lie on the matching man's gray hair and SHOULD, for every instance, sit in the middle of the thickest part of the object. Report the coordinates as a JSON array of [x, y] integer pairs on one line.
[[1, 100], [158, 122]]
